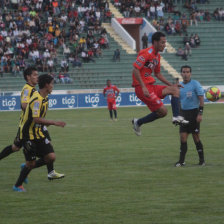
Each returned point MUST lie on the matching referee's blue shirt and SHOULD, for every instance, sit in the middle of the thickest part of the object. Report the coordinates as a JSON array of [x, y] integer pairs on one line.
[[189, 94]]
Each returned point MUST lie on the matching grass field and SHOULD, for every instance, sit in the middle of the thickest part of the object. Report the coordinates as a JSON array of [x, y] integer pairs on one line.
[[115, 177]]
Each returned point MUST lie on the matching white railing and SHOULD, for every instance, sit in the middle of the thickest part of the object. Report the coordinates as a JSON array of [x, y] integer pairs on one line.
[[126, 37]]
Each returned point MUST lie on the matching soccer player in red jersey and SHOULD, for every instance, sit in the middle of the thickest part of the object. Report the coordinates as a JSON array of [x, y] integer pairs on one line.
[[148, 62], [112, 92]]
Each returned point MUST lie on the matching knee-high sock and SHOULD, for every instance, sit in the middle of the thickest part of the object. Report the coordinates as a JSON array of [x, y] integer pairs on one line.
[[6, 151], [111, 114], [183, 151], [115, 113], [200, 150], [148, 118], [23, 174], [175, 104]]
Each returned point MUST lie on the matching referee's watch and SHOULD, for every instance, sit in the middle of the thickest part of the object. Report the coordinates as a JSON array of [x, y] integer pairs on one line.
[[200, 110]]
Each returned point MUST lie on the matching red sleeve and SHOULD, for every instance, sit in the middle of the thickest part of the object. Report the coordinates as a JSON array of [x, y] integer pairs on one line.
[[116, 89], [104, 90], [157, 68], [142, 59]]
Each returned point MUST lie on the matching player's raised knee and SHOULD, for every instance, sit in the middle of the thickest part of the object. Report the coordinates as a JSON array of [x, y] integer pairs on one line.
[[51, 157], [162, 112]]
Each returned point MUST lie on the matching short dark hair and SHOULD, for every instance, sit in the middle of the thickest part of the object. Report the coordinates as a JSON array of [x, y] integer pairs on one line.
[[185, 66], [44, 79], [156, 36], [28, 72]]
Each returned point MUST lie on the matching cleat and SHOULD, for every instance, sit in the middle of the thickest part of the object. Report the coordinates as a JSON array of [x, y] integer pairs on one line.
[[179, 164], [115, 119], [201, 163], [54, 175], [22, 166], [19, 188], [179, 120], [136, 127]]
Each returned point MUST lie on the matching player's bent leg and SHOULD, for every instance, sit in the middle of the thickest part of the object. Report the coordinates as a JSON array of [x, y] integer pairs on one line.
[[53, 175], [15, 148], [23, 175], [162, 111], [175, 104]]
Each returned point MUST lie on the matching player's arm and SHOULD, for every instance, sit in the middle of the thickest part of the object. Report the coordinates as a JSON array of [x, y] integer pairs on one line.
[[104, 92], [117, 92], [24, 105], [36, 107], [162, 79], [201, 107], [40, 120], [137, 75]]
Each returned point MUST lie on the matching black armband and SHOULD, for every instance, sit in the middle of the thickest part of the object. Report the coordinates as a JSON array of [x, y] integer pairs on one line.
[[200, 110]]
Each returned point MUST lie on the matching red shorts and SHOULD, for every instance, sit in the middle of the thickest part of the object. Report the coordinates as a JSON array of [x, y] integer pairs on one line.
[[154, 101], [111, 104]]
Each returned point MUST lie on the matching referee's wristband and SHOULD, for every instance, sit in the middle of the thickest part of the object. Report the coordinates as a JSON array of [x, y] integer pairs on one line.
[[200, 111]]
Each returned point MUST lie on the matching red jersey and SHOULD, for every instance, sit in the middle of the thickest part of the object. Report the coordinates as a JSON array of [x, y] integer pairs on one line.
[[110, 92], [147, 62]]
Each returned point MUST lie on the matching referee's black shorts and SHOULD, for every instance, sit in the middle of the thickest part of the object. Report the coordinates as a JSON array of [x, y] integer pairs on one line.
[[191, 116]]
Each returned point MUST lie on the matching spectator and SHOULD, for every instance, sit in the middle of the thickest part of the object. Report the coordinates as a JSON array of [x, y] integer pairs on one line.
[[193, 19], [66, 51], [197, 40], [84, 56], [116, 56], [187, 49], [76, 62], [64, 65], [182, 53], [39, 65], [50, 64], [144, 41], [192, 41], [90, 54], [186, 39], [61, 78], [67, 78], [178, 28]]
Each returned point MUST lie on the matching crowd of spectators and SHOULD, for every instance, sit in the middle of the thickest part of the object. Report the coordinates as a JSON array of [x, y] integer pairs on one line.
[[189, 42], [34, 31]]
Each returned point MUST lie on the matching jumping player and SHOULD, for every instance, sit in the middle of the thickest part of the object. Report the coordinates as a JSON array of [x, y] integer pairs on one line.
[[192, 104], [112, 92], [31, 78], [32, 135], [148, 62]]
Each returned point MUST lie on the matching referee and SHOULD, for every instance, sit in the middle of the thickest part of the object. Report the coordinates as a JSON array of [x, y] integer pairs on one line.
[[192, 102]]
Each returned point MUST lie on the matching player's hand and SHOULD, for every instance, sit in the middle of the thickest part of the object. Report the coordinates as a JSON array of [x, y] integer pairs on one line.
[[178, 85], [60, 123], [199, 118], [145, 91]]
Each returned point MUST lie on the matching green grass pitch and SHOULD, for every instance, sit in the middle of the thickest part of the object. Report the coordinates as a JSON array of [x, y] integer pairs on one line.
[[115, 177]]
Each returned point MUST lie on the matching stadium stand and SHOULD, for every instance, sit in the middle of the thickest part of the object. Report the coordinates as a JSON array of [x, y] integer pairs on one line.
[[66, 22]]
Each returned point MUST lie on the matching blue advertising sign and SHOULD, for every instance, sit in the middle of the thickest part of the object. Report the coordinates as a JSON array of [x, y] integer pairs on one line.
[[82, 100]]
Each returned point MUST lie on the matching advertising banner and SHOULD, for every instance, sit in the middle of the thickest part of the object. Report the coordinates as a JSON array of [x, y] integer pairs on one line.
[[74, 101]]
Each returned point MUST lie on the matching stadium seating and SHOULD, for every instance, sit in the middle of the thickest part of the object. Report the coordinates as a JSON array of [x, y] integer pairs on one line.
[[206, 60]]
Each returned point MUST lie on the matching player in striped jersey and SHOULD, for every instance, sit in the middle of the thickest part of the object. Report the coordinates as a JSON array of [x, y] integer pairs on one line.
[[32, 133], [31, 77]]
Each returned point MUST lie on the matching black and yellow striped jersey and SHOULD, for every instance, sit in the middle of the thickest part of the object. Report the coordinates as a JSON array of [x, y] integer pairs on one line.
[[26, 94], [37, 107]]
